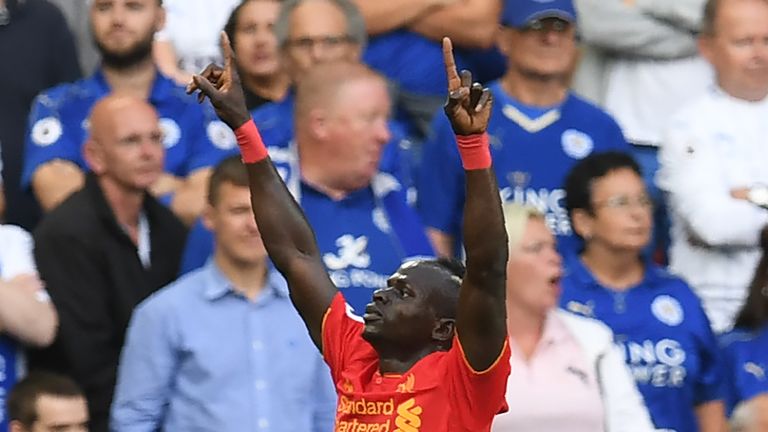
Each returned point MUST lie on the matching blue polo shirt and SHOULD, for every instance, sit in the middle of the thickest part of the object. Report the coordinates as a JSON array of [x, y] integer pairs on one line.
[[363, 238], [746, 364], [533, 149], [667, 341], [58, 126]]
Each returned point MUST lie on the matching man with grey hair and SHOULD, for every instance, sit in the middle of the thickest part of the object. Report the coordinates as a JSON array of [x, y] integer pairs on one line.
[[309, 33]]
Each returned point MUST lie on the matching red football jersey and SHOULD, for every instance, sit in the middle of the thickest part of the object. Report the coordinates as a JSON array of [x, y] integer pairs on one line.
[[440, 393]]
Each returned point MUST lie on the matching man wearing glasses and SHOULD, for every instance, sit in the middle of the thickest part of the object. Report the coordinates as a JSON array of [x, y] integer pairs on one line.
[[538, 128]]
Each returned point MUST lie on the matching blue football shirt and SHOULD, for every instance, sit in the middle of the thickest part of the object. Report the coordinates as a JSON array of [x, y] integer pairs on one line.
[[665, 334], [58, 126], [532, 148], [746, 363]]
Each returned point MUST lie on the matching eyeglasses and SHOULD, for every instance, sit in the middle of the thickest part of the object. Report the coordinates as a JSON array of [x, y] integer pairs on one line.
[[325, 42], [623, 202], [548, 25]]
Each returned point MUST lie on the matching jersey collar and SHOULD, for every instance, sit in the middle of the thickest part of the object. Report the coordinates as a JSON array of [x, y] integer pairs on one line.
[[162, 86]]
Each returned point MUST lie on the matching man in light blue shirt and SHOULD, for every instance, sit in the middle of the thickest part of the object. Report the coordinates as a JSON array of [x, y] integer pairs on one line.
[[223, 349]]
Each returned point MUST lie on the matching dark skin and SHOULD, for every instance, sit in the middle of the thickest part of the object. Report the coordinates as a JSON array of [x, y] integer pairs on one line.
[[402, 322]]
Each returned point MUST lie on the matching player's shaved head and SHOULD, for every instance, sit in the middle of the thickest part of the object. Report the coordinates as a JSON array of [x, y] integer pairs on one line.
[[322, 85]]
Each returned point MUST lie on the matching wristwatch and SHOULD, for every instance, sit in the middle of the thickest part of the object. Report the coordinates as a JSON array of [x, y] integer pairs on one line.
[[758, 195]]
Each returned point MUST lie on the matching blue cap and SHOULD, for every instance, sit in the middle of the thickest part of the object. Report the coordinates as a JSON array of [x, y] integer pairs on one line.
[[519, 13]]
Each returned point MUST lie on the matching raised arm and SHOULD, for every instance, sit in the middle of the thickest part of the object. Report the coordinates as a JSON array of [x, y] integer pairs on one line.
[[287, 236], [481, 321]]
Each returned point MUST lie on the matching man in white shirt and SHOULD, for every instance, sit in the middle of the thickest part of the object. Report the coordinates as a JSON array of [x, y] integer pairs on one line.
[[713, 161]]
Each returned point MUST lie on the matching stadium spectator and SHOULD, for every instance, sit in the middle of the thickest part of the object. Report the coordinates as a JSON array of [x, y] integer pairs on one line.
[[123, 29], [538, 128], [47, 402], [106, 248], [250, 28], [567, 374], [641, 63], [27, 316], [223, 348], [746, 346], [712, 162], [656, 318], [432, 348], [405, 42], [189, 40], [37, 52]]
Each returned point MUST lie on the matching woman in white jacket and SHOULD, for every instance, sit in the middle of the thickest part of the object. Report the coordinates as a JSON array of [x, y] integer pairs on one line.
[[567, 374]]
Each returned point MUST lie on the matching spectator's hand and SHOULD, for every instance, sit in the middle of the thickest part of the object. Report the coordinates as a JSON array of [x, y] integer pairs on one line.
[[469, 105], [222, 87]]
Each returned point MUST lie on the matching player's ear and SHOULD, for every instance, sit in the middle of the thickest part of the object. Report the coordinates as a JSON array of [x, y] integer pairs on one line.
[[444, 330]]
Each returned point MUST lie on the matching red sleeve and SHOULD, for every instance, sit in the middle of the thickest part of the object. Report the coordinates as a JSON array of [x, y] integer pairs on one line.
[[342, 334], [478, 395]]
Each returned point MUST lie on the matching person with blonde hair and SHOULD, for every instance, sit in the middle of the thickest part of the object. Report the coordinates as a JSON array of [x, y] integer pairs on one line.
[[566, 372]]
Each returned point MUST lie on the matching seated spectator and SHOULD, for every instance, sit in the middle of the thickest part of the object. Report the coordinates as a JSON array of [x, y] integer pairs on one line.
[[712, 162], [405, 38], [37, 51], [364, 227], [640, 61], [47, 402], [189, 40], [656, 318], [746, 346], [250, 29], [27, 316], [750, 416], [567, 374], [106, 248], [538, 128], [311, 32], [195, 348], [54, 165]]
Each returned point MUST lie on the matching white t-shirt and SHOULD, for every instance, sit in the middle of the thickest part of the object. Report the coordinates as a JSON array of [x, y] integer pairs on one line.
[[193, 28], [15, 252]]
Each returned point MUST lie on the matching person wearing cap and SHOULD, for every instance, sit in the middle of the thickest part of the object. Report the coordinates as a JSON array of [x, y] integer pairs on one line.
[[538, 128]]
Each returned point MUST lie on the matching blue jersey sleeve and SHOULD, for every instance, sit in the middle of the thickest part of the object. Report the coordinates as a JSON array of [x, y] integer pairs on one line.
[[441, 180], [745, 361], [49, 136], [212, 140]]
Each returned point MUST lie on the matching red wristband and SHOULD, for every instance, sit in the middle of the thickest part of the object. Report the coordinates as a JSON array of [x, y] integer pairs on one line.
[[251, 146], [475, 151]]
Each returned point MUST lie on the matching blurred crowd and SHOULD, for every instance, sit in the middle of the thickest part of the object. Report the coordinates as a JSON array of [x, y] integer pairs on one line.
[[627, 140]]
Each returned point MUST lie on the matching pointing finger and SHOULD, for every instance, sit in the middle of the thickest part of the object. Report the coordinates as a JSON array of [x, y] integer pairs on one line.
[[450, 65], [226, 49]]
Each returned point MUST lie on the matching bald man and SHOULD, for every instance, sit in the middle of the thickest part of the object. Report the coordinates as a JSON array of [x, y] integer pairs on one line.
[[106, 248]]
